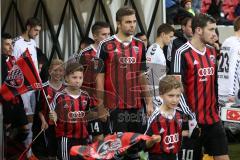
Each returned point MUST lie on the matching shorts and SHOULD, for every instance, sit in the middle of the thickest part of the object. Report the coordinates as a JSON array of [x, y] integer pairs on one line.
[[189, 149], [64, 146], [162, 156], [95, 127], [127, 120], [51, 141], [214, 139], [29, 101]]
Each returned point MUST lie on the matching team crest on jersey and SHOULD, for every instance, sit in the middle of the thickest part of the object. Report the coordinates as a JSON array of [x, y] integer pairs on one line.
[[212, 59], [136, 49], [110, 46], [15, 77], [84, 103]]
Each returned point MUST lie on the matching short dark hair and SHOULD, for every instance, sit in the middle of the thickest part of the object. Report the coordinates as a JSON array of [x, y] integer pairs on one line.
[[140, 34], [99, 25], [33, 22], [124, 11], [6, 36], [73, 67], [185, 20], [201, 20], [164, 28], [236, 24], [87, 40]]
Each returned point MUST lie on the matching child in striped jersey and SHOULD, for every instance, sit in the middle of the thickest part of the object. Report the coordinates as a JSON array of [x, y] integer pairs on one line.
[[51, 87], [69, 112], [166, 127]]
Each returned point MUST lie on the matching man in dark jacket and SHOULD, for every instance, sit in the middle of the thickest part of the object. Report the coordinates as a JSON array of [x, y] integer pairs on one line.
[[181, 37]]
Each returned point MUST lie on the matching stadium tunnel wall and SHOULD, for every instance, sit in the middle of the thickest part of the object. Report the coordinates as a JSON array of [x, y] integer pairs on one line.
[[66, 22]]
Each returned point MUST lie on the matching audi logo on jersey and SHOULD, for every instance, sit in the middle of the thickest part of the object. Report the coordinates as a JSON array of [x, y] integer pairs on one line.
[[206, 71], [171, 139], [76, 115], [127, 60]]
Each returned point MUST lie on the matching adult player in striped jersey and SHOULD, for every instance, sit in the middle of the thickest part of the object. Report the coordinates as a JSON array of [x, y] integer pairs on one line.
[[195, 61], [87, 56], [229, 66], [123, 76]]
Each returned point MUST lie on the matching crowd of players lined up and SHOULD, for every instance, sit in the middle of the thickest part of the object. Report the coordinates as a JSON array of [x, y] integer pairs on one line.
[[113, 85]]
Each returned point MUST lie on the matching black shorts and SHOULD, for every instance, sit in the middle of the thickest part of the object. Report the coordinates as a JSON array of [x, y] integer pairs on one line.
[[190, 150], [51, 141], [127, 120], [214, 139], [162, 156], [64, 146], [95, 127]]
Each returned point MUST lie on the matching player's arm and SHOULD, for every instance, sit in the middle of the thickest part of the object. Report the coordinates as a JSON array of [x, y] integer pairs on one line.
[[100, 79], [179, 68], [234, 73], [144, 85]]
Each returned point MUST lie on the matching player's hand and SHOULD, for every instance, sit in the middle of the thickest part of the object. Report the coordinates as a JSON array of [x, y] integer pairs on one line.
[[150, 109], [103, 113], [44, 125], [231, 99], [156, 138], [92, 115], [53, 116]]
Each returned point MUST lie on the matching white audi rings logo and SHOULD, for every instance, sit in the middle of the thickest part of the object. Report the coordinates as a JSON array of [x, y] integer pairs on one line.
[[127, 60], [206, 71], [172, 138], [76, 114]]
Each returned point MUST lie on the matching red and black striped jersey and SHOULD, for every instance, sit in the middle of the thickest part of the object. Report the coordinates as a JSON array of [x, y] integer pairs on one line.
[[88, 59], [124, 63], [170, 131], [50, 93], [71, 111], [198, 73]]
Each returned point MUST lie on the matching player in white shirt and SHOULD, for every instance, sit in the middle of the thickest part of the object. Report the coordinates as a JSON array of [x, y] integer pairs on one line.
[[229, 66], [21, 43], [156, 61]]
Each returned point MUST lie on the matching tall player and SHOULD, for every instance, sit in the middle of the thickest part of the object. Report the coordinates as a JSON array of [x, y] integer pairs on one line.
[[228, 69], [195, 61], [100, 31], [123, 76], [21, 43]]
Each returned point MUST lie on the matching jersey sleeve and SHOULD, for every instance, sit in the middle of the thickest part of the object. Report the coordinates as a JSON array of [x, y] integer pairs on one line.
[[102, 56], [234, 72], [180, 67], [17, 51]]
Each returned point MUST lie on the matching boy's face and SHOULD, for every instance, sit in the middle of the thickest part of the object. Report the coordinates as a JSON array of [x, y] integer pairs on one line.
[[171, 98], [75, 79], [102, 34], [56, 72], [167, 37]]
